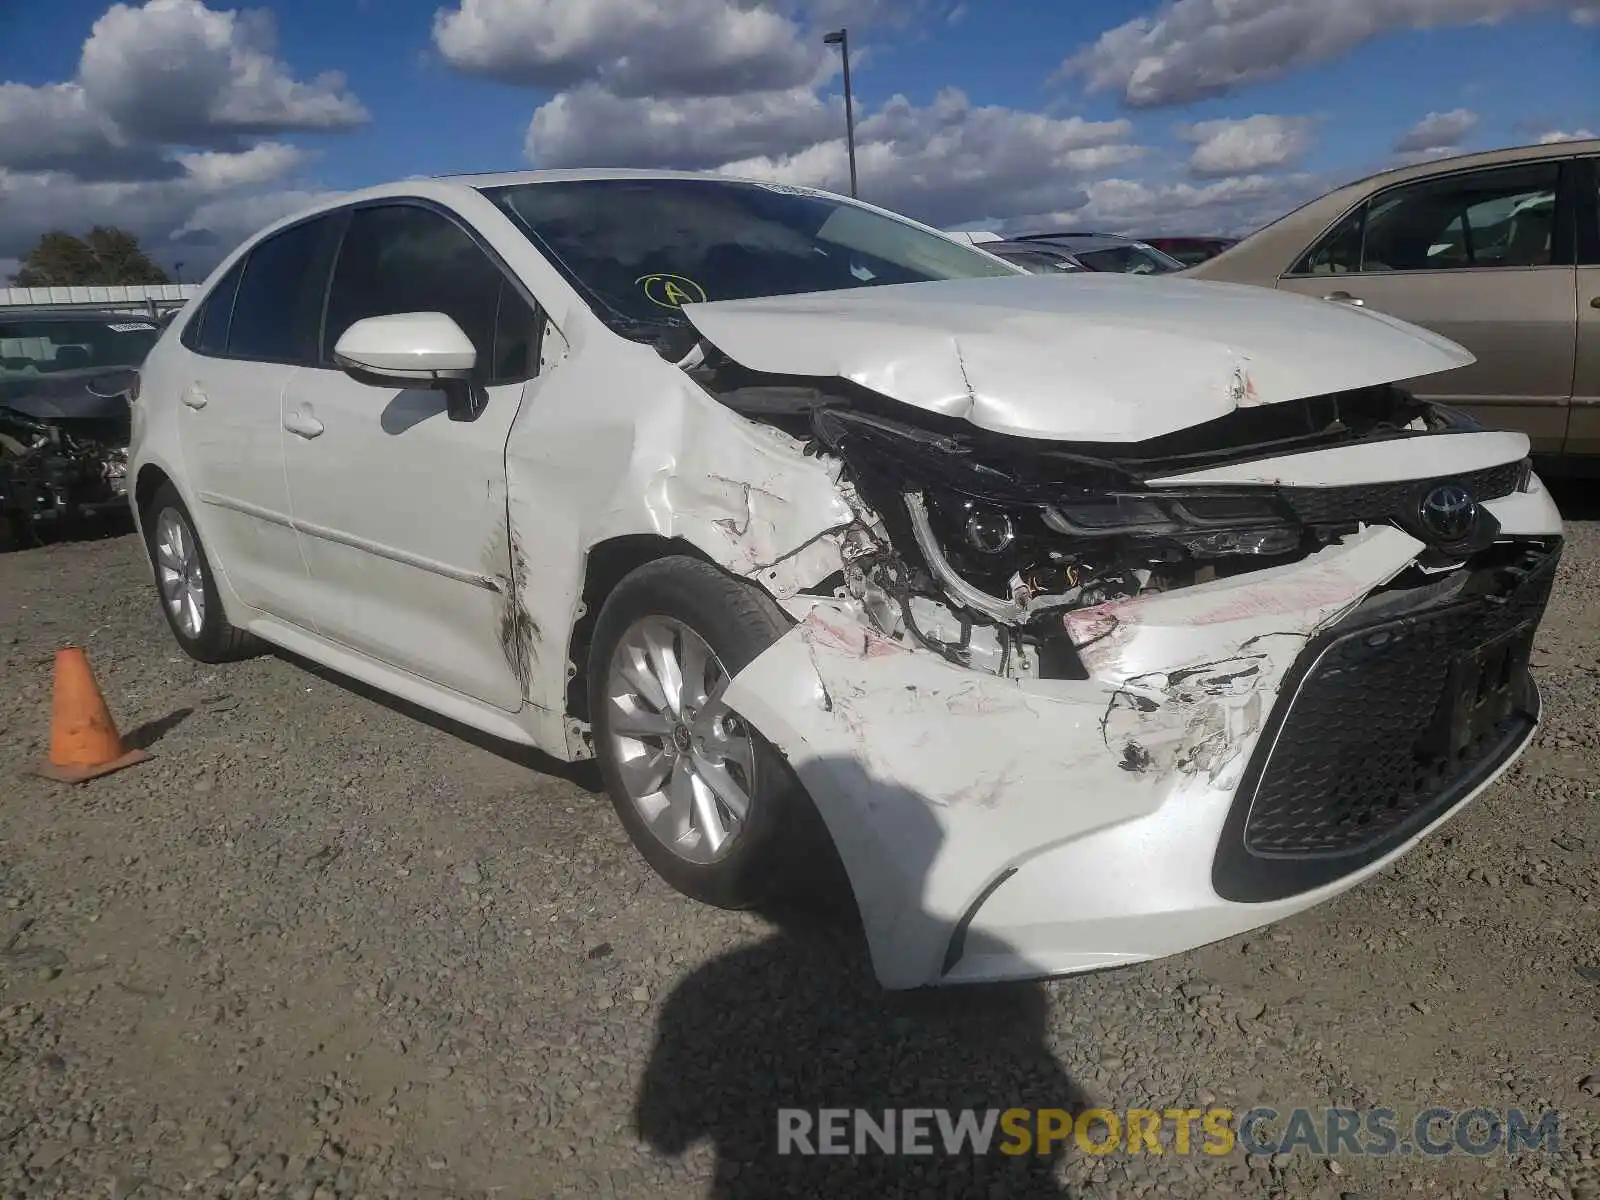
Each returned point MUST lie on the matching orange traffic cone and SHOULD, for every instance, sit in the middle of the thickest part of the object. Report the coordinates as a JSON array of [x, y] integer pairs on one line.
[[84, 742]]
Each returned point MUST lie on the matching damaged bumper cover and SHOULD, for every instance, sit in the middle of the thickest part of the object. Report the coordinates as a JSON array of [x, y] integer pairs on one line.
[[1240, 750]]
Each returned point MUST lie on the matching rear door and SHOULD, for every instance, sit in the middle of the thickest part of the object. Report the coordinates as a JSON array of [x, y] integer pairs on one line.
[[255, 327], [1583, 431], [1484, 257]]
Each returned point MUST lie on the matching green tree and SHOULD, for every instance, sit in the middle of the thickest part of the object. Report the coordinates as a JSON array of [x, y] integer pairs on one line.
[[107, 256]]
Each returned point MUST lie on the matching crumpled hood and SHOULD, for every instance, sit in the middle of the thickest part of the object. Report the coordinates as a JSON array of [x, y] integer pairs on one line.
[[67, 397], [1085, 357]]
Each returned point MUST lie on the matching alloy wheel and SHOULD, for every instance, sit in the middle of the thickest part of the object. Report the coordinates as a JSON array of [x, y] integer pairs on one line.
[[180, 572], [686, 761]]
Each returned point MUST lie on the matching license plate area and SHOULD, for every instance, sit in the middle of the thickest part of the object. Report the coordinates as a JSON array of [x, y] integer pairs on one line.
[[1482, 692]]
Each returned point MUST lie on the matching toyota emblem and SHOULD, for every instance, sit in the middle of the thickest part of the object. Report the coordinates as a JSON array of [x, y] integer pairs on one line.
[[1448, 512]]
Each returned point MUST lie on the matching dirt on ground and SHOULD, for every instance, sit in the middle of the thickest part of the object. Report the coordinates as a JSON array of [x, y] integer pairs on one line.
[[320, 947]]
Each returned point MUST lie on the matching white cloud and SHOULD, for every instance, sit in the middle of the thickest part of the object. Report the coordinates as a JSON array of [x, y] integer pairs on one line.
[[53, 127], [630, 47], [172, 73], [196, 218], [589, 126], [177, 72], [1225, 207], [1257, 143], [1438, 132], [618, 101], [952, 161], [653, 83], [1190, 49], [162, 132], [1561, 135], [217, 170], [222, 222]]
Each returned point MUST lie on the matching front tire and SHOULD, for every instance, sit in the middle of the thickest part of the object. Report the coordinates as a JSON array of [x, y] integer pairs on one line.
[[713, 808], [185, 585]]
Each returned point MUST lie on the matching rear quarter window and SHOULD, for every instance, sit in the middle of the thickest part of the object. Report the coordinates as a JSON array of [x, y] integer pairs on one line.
[[207, 332]]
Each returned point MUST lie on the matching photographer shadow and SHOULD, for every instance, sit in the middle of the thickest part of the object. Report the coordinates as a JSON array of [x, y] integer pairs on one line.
[[800, 1022]]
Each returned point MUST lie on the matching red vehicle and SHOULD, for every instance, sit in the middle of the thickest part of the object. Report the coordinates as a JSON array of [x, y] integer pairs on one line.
[[1190, 250]]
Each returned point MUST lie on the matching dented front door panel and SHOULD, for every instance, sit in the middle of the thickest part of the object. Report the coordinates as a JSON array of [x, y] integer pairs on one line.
[[410, 560]]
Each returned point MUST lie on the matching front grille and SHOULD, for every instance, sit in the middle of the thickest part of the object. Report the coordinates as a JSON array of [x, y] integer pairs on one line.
[[1388, 720], [1373, 503]]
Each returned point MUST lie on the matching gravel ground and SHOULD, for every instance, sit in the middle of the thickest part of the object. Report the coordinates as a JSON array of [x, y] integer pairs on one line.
[[319, 948]]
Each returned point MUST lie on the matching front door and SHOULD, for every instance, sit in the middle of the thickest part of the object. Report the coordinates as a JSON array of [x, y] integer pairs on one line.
[[401, 510], [1485, 258]]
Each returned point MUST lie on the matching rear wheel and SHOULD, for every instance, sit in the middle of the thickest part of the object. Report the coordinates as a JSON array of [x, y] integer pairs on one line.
[[184, 583], [709, 804]]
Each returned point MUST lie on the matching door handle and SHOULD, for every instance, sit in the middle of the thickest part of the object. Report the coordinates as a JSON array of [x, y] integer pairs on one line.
[[194, 397], [301, 423], [1594, 302], [1345, 298]]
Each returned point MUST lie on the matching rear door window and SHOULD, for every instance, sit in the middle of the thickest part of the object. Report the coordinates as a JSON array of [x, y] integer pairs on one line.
[[278, 307], [208, 333], [1500, 217]]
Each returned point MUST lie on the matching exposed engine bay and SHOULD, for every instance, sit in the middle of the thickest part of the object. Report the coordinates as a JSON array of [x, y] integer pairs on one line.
[[56, 470], [67, 382], [976, 545]]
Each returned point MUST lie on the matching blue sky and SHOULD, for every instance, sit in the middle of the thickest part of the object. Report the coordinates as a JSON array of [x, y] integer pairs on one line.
[[194, 123]]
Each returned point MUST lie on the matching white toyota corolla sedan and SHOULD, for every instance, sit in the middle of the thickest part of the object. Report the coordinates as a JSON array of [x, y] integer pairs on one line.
[[1084, 619]]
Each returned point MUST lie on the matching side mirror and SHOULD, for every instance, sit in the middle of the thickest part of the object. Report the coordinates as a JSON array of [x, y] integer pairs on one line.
[[419, 349]]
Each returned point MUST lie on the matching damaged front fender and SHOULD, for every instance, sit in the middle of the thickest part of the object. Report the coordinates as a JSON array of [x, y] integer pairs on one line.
[[588, 464]]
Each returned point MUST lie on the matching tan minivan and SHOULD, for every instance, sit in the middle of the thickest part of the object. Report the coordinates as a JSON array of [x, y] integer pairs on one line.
[[1499, 251]]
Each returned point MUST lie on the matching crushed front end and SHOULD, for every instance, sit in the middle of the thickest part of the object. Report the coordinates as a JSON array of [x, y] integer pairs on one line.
[[56, 471], [1069, 705]]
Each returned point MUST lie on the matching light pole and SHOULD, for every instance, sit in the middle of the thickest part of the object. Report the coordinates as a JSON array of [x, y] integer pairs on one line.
[[841, 39]]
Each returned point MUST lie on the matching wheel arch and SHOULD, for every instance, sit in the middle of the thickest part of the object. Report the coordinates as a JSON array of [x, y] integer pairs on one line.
[[606, 564], [145, 486]]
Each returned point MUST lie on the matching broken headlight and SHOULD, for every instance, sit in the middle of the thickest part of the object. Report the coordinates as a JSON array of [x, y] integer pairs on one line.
[[1013, 532], [1207, 525]]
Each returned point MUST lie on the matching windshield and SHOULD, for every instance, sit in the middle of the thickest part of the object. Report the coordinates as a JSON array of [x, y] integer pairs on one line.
[[1132, 260], [30, 349], [642, 248]]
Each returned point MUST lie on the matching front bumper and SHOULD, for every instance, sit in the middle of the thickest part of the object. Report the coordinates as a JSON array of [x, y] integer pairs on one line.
[[1242, 751]]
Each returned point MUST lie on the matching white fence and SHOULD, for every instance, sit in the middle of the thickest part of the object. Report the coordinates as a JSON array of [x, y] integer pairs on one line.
[[150, 299]]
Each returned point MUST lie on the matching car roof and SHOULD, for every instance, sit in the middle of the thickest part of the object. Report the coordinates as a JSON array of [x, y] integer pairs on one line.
[[480, 181], [1478, 158], [488, 179], [439, 187]]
